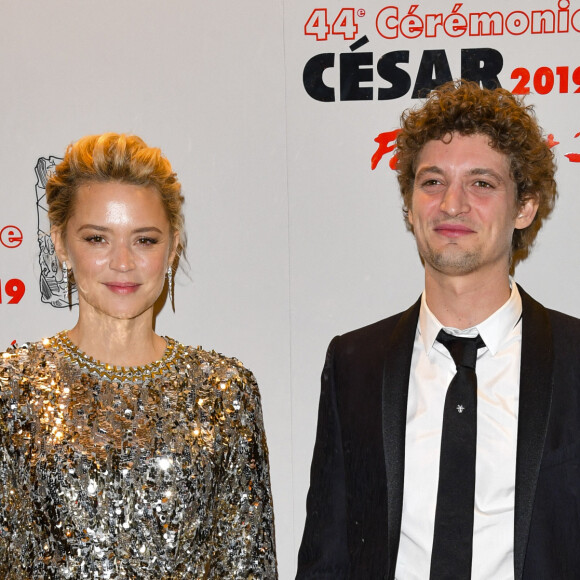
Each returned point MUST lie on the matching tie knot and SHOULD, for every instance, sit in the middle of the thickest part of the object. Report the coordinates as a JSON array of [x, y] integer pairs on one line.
[[462, 349]]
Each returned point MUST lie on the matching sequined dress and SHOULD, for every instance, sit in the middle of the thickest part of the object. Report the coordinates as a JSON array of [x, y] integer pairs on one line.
[[156, 472]]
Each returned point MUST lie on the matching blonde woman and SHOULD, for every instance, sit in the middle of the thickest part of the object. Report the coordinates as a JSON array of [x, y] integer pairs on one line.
[[125, 454]]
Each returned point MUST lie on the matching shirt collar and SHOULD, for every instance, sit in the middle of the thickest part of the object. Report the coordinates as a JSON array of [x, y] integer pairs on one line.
[[493, 330]]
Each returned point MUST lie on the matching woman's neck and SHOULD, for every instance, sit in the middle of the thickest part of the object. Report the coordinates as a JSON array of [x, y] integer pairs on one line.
[[126, 343]]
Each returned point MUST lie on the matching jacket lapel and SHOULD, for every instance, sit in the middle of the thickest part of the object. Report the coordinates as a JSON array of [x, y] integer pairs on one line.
[[537, 361], [396, 372]]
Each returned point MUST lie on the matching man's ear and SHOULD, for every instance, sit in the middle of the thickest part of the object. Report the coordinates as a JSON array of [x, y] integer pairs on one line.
[[526, 213], [59, 245]]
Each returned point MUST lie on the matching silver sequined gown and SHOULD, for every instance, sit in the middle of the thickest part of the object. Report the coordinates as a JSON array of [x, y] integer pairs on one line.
[[156, 472]]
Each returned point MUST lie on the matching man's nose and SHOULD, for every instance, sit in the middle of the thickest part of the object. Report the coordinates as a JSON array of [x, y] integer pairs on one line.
[[455, 200]]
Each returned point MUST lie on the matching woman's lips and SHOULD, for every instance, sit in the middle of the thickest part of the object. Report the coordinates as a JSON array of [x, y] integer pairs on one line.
[[122, 287]]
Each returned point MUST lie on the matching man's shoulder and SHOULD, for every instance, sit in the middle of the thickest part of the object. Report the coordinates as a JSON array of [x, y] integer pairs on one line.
[[565, 332], [560, 321], [551, 329], [563, 320]]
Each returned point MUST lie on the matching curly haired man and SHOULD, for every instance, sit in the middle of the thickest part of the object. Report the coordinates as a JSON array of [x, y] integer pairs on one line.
[[448, 438]]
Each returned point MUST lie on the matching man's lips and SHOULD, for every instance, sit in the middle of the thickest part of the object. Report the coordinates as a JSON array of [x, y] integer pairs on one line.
[[122, 287], [453, 230]]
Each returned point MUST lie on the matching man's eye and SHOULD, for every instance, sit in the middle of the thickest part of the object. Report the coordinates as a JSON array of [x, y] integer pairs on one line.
[[431, 182]]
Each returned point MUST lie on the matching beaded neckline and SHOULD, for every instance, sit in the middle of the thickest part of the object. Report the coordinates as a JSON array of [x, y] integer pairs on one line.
[[155, 369]]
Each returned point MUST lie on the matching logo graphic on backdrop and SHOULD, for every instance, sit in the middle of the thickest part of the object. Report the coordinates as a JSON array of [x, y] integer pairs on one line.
[[387, 144], [53, 288], [10, 236], [362, 75], [574, 157], [11, 291]]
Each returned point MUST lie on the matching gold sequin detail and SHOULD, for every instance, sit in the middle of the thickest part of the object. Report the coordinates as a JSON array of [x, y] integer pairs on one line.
[[154, 472]]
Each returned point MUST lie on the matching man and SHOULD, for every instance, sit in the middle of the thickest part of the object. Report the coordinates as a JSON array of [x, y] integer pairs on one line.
[[477, 179]]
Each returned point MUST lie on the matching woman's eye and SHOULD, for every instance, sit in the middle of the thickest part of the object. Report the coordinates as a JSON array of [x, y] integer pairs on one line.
[[95, 239], [147, 241]]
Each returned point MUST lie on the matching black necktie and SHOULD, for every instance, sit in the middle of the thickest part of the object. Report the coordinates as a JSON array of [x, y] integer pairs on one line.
[[453, 533]]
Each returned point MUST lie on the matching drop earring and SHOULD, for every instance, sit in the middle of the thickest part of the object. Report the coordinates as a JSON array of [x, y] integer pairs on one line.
[[170, 284], [65, 280]]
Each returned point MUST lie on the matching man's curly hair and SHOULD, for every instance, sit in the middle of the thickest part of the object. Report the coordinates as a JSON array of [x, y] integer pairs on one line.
[[463, 107]]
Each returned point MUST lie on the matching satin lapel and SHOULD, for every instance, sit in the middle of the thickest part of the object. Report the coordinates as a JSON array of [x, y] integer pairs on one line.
[[534, 412], [396, 373]]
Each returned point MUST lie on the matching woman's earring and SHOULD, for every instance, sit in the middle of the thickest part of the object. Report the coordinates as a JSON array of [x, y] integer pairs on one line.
[[65, 280], [170, 284]]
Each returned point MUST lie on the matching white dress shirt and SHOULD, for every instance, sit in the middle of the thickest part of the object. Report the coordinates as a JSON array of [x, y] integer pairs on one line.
[[498, 377]]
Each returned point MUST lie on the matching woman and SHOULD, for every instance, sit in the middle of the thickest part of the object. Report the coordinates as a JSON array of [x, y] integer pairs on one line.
[[153, 463]]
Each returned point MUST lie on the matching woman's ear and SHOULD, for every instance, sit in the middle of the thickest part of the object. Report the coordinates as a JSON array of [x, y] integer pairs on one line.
[[59, 245], [174, 248]]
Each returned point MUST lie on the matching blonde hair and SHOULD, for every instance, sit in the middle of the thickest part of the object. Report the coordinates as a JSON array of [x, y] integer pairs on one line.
[[113, 157]]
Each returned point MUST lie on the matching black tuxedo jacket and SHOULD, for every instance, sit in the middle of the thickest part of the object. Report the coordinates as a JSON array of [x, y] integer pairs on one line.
[[355, 499]]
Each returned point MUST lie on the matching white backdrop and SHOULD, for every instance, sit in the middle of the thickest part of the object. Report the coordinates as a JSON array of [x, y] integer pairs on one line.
[[292, 237]]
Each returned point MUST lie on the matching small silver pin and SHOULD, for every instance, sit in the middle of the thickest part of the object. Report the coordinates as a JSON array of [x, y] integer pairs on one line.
[[460, 408]]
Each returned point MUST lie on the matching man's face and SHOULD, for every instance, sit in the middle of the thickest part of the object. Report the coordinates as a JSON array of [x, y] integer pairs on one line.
[[463, 207]]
